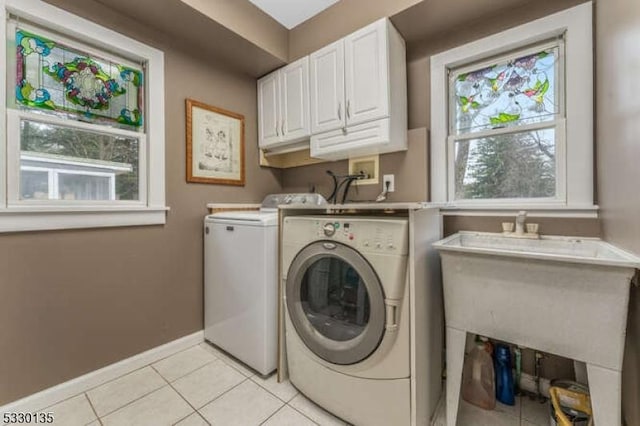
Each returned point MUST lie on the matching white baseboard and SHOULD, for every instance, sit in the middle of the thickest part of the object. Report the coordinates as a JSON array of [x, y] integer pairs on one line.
[[55, 394]]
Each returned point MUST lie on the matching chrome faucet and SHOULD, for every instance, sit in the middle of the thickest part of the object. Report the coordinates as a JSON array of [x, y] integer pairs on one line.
[[520, 222]]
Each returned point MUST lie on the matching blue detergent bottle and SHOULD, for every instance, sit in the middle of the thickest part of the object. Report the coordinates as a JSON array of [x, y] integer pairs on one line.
[[504, 376]]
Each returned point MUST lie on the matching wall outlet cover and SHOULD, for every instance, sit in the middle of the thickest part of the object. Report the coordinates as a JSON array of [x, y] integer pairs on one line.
[[391, 180]]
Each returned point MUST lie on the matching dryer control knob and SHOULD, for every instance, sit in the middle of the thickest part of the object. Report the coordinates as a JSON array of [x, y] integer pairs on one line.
[[329, 229]]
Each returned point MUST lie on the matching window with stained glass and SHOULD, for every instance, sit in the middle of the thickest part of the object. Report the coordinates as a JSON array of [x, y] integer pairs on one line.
[[84, 113], [506, 119], [81, 115]]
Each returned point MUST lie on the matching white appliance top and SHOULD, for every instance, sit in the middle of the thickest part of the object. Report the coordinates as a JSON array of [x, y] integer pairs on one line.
[[273, 201], [268, 213], [251, 217]]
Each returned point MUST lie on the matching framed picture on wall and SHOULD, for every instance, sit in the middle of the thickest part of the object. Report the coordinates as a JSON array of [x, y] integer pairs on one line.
[[215, 145]]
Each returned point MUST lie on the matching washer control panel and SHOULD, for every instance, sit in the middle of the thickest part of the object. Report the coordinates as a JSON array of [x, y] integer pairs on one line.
[[382, 235]]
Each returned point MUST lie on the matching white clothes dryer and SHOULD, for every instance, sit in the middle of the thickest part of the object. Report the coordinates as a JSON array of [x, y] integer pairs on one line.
[[347, 321], [240, 280]]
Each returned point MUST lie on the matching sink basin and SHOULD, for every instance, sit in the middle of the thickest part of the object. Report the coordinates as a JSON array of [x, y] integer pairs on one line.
[[564, 249], [562, 295]]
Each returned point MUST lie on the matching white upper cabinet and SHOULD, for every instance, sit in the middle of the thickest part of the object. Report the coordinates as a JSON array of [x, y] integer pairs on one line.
[[268, 109], [294, 106], [283, 105], [350, 97], [328, 110], [359, 94], [366, 74]]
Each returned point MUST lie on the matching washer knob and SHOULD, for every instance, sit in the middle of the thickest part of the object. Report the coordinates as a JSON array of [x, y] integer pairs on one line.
[[329, 229]]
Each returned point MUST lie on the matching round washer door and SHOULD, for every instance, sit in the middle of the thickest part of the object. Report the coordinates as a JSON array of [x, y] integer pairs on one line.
[[335, 302]]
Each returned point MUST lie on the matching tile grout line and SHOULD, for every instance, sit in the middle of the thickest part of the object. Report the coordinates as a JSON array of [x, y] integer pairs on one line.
[[195, 410], [220, 396], [229, 360], [303, 414], [113, 380], [313, 421], [273, 414], [131, 402], [93, 408], [127, 374], [137, 369], [215, 357], [186, 374], [245, 378], [261, 386]]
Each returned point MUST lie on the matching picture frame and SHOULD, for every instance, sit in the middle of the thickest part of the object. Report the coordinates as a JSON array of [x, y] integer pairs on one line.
[[215, 145]]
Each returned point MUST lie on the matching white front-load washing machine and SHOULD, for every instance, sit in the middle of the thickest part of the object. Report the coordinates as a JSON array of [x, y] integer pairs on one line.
[[347, 321]]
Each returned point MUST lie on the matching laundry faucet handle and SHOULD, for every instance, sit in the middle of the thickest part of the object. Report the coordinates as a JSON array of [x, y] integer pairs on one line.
[[520, 219]]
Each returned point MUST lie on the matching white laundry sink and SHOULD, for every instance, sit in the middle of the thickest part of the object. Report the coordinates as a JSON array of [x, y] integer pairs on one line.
[[563, 295], [565, 249]]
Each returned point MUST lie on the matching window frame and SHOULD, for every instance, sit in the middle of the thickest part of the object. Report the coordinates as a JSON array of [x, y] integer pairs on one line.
[[14, 117], [558, 124], [574, 148], [22, 215]]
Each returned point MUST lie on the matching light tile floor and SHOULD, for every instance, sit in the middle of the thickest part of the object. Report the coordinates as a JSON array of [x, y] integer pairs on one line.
[[203, 386], [199, 386], [526, 412]]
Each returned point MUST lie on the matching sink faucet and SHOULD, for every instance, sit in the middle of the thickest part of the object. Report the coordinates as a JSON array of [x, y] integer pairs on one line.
[[520, 222]]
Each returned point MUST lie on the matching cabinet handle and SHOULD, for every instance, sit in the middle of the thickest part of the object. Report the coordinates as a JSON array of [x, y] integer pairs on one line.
[[282, 128], [277, 134], [348, 109], [339, 110]]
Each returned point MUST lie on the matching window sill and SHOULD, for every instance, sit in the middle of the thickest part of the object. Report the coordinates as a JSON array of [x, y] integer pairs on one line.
[[19, 219], [578, 212]]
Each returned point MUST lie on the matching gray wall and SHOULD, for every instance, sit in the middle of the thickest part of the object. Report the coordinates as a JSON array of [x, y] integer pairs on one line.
[[618, 152], [75, 301]]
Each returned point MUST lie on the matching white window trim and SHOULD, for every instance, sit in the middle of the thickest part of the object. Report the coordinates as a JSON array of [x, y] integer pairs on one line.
[[576, 25], [152, 211]]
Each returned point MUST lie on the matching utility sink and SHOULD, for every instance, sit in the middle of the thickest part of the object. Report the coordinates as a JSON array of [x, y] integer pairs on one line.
[[563, 295], [562, 249]]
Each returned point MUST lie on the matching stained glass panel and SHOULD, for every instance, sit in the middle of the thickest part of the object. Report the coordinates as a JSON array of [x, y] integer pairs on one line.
[[55, 77], [511, 92]]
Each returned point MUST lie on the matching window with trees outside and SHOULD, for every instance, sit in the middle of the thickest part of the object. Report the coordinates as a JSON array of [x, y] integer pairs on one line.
[[506, 121], [512, 118], [85, 131]]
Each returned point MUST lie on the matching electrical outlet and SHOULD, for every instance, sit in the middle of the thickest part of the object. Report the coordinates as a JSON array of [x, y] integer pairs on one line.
[[391, 180]]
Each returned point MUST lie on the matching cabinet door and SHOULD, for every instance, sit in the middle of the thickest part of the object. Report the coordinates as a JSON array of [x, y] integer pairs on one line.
[[268, 110], [327, 88], [294, 101], [366, 73]]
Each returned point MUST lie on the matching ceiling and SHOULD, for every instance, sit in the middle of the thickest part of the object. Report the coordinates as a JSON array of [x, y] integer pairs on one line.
[[291, 13]]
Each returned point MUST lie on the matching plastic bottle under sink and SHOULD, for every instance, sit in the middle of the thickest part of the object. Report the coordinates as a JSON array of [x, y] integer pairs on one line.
[[478, 378]]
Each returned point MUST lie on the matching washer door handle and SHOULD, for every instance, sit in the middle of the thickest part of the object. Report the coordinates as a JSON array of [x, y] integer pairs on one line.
[[391, 307], [329, 246]]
